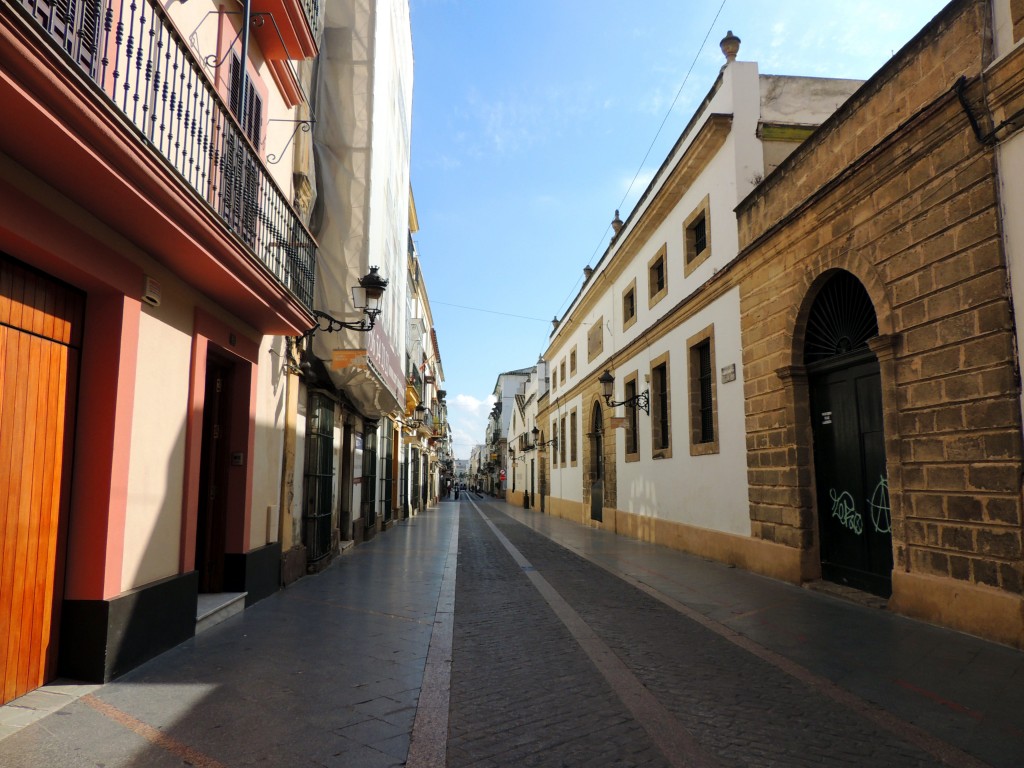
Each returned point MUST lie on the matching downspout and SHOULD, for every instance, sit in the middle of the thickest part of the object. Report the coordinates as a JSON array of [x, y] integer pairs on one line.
[[242, 106]]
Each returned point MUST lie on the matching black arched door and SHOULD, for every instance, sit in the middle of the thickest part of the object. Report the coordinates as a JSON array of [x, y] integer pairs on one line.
[[596, 465], [854, 523]]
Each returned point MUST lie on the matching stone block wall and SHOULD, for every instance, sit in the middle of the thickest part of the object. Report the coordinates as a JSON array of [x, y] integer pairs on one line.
[[898, 191]]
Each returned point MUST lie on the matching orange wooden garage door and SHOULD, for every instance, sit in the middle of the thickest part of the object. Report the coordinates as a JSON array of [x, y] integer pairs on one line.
[[40, 335]]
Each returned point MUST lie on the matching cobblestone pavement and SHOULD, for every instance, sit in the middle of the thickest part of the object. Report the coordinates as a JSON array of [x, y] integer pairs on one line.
[[478, 634], [523, 693], [741, 704]]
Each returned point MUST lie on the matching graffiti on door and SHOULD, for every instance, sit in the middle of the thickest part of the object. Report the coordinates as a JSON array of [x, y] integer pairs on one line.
[[881, 517], [844, 508]]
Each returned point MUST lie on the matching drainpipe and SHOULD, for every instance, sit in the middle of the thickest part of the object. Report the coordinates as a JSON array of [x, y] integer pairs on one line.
[[242, 106]]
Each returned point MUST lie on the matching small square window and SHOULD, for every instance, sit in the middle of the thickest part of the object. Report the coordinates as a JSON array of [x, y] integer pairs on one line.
[[595, 339], [657, 277], [697, 236], [629, 305]]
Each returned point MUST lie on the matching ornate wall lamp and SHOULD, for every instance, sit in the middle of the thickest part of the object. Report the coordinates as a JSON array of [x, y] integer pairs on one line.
[[366, 296], [418, 417], [536, 439], [642, 400]]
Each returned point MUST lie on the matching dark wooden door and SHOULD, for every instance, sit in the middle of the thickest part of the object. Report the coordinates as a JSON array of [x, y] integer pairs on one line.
[[40, 338], [211, 523], [852, 487]]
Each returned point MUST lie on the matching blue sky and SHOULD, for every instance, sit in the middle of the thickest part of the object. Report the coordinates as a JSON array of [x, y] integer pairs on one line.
[[531, 124]]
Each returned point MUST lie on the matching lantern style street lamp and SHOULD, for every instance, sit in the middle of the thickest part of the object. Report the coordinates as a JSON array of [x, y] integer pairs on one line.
[[641, 401]]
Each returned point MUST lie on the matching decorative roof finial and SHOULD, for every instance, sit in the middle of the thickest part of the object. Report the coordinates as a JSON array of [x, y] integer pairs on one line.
[[730, 47], [617, 223]]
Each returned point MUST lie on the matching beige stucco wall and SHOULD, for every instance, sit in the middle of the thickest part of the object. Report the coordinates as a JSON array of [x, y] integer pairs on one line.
[[152, 537], [268, 451]]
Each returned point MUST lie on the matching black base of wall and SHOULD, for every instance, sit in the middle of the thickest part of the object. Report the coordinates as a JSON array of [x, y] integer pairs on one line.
[[257, 572], [102, 639]]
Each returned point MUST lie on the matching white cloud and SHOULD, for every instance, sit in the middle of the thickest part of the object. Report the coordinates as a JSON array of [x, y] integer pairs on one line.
[[471, 405], [467, 416]]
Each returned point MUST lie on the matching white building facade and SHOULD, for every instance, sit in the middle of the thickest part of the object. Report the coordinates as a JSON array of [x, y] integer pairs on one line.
[[670, 465]]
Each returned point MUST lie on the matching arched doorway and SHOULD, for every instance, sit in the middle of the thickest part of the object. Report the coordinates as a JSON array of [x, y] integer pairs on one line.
[[854, 524], [596, 465]]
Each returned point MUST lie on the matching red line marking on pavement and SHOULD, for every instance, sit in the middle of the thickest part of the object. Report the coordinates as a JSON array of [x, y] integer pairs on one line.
[[152, 735], [958, 708]]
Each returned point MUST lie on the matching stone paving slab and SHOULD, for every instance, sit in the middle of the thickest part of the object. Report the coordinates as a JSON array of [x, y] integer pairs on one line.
[[324, 673]]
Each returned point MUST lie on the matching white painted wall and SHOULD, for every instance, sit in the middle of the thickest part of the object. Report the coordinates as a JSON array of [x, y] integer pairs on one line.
[[566, 482], [706, 491], [1010, 161], [389, 170], [803, 100]]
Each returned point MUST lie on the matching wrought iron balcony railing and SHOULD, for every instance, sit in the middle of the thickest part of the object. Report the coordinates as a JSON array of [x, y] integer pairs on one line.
[[136, 57], [415, 380], [312, 9]]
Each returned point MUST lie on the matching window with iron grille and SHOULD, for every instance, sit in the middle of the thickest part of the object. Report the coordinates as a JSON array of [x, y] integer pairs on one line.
[[572, 438], [387, 467], [661, 427], [700, 235], [319, 477], [703, 394], [706, 407], [561, 443], [632, 443]]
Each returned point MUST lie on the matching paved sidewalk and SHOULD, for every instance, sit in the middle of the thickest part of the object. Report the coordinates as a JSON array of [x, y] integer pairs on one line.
[[324, 673]]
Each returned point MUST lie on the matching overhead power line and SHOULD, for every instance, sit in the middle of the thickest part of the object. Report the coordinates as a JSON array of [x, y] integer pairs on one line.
[[654, 140], [489, 311]]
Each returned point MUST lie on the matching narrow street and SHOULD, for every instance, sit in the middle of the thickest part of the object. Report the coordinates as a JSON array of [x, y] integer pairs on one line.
[[567, 647]]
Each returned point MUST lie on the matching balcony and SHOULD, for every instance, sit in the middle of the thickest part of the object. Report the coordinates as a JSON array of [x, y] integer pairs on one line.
[[287, 29], [141, 92]]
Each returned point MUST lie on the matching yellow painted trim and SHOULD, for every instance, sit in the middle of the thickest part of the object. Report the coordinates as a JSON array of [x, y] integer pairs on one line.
[[976, 609]]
